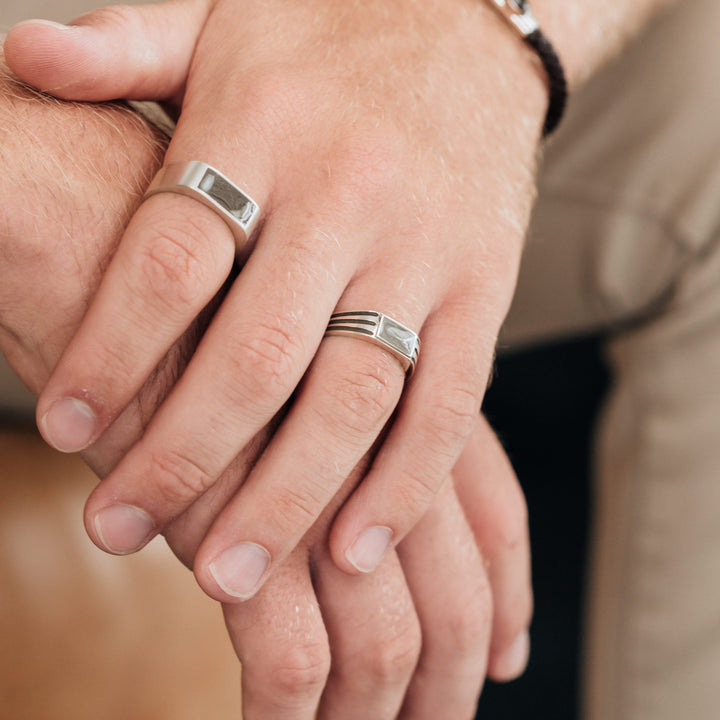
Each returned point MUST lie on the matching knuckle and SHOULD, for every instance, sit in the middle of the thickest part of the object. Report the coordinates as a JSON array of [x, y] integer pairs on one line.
[[417, 490], [116, 367], [465, 628], [302, 671], [275, 91], [279, 102], [445, 428], [360, 400], [178, 478], [176, 265], [270, 356], [393, 660], [454, 418], [368, 166], [296, 509]]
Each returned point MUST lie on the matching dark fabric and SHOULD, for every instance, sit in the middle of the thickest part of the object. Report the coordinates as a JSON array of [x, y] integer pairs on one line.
[[543, 405]]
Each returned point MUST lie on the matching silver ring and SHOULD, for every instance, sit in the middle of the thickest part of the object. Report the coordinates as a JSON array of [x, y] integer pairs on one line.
[[379, 329], [209, 186]]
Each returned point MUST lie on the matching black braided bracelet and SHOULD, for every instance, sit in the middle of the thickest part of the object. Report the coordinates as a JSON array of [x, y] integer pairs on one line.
[[520, 17]]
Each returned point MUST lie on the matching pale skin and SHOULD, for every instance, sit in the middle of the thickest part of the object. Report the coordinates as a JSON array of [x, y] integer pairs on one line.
[[412, 640], [391, 147]]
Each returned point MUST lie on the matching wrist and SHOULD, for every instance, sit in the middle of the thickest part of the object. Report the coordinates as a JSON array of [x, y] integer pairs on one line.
[[520, 19], [511, 78]]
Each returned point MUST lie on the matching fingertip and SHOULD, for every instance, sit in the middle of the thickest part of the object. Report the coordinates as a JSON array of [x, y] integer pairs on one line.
[[368, 549], [361, 552], [510, 663], [122, 529], [47, 55], [236, 573], [69, 425]]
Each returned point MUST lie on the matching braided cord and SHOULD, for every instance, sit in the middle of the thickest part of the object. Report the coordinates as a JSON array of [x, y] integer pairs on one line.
[[520, 17], [556, 77]]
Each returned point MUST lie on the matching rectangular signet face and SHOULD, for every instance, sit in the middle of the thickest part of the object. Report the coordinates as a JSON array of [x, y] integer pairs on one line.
[[397, 336], [227, 195]]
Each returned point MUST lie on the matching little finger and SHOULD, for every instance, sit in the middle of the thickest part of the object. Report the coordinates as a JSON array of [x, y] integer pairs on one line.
[[495, 507]]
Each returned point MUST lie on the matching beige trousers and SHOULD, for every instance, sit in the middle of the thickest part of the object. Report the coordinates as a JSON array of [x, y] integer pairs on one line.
[[624, 239]]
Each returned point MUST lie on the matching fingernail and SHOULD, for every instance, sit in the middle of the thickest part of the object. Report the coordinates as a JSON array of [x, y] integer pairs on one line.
[[49, 23], [239, 569], [369, 548], [124, 529], [69, 425], [513, 663]]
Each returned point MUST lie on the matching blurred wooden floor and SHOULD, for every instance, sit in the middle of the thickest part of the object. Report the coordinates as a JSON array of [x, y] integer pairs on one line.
[[87, 636]]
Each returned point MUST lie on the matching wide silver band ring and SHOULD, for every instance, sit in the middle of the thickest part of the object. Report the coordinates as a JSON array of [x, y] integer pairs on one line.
[[209, 186], [381, 330]]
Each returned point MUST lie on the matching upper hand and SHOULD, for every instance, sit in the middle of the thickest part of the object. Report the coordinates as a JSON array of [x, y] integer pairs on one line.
[[391, 149], [418, 634]]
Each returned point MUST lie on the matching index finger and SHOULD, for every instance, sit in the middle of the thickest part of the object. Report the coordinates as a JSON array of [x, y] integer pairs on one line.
[[173, 258]]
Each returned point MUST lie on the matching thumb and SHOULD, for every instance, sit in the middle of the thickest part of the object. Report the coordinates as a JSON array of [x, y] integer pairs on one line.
[[140, 53]]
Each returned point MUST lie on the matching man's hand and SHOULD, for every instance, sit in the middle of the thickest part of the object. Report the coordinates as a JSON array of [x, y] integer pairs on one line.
[[394, 165], [412, 640], [391, 148]]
